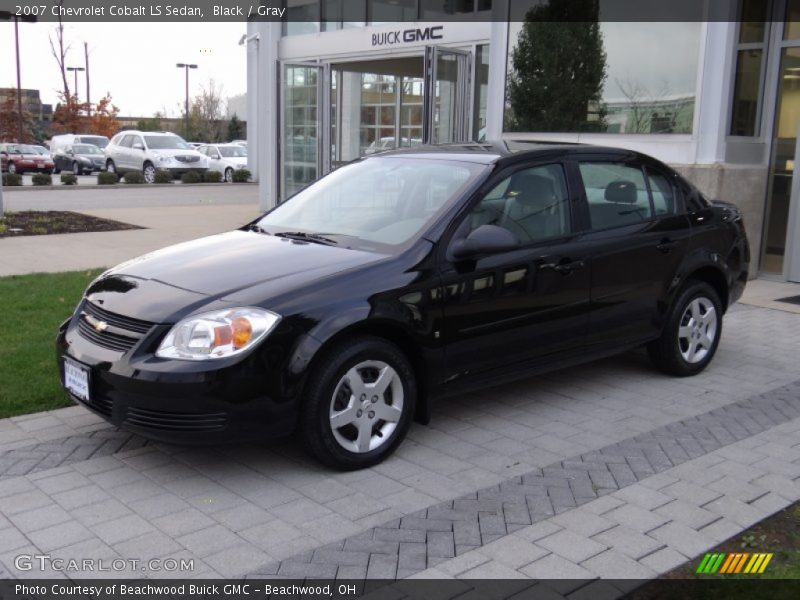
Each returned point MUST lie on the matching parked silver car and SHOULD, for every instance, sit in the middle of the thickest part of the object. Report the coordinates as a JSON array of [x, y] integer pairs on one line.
[[149, 151]]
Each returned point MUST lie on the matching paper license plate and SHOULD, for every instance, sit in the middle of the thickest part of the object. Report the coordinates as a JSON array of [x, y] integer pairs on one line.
[[76, 379]]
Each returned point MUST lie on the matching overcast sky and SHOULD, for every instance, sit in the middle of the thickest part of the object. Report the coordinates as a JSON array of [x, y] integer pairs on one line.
[[133, 61]]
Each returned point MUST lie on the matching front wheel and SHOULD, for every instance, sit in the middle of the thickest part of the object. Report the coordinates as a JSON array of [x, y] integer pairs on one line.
[[358, 404], [76, 169], [228, 175], [111, 167], [149, 173], [691, 335]]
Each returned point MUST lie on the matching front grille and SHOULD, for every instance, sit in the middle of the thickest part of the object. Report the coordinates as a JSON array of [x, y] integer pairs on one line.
[[167, 421], [187, 159], [126, 323], [120, 333]]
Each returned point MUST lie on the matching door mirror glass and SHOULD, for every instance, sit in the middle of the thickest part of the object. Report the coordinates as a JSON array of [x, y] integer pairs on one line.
[[138, 146], [486, 239]]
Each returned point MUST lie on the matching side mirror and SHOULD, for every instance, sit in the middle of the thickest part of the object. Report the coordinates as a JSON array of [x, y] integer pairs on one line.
[[486, 239], [138, 146], [215, 157]]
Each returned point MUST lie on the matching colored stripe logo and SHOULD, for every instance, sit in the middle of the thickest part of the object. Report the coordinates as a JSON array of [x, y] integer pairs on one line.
[[734, 562]]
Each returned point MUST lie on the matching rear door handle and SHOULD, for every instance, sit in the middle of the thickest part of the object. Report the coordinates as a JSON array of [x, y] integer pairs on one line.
[[666, 245]]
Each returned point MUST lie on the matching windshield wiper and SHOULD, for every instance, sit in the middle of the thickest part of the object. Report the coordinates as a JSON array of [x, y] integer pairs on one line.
[[306, 237]]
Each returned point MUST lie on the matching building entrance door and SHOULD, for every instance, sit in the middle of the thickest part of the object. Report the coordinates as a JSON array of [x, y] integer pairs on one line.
[[447, 95]]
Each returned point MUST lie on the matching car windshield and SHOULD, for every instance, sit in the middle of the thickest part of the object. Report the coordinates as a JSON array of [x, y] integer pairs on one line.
[[383, 201], [231, 151], [86, 149], [41, 150], [166, 142], [95, 140]]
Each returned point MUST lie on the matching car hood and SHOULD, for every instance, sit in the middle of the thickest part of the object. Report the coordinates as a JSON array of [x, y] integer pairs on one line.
[[169, 283], [176, 152], [92, 157]]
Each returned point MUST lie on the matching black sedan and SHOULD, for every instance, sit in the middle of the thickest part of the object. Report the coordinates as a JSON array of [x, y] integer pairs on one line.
[[80, 159], [344, 312]]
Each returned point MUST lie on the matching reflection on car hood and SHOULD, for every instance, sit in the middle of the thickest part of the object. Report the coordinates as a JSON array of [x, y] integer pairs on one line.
[[221, 265]]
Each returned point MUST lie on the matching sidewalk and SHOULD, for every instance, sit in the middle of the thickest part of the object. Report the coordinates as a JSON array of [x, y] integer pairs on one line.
[[612, 470], [164, 225]]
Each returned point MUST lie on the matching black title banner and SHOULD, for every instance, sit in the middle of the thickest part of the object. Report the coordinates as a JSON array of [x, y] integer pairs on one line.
[[374, 11]]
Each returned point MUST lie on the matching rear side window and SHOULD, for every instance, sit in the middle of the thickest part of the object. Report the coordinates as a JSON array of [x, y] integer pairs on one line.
[[663, 193], [616, 194]]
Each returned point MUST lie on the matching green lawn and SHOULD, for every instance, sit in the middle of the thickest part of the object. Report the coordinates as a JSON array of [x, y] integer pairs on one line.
[[33, 306]]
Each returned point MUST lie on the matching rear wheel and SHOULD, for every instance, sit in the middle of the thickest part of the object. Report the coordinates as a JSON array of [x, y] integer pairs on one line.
[[692, 332], [12, 168], [76, 169], [228, 175], [358, 404]]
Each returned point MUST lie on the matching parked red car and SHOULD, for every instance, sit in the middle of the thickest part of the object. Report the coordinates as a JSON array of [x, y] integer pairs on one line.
[[19, 158]]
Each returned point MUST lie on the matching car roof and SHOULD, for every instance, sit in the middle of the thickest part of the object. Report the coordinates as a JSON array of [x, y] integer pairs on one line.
[[503, 151]]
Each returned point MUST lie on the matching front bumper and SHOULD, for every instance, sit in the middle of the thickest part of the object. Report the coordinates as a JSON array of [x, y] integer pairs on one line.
[[176, 401], [183, 169]]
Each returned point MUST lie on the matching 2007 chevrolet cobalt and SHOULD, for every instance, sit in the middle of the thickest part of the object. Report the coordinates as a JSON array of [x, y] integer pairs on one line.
[[344, 311]]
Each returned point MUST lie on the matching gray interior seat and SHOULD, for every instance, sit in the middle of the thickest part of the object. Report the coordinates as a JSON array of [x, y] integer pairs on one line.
[[531, 201]]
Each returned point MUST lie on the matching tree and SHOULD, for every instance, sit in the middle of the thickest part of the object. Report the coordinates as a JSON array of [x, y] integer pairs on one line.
[[151, 124], [67, 117], [205, 114], [559, 68], [236, 130], [104, 117], [60, 53], [9, 121]]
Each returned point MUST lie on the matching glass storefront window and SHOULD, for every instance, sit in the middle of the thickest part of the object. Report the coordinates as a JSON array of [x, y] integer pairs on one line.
[[480, 93], [782, 163], [605, 77], [343, 14], [791, 30], [302, 16], [753, 18], [392, 11], [746, 92]]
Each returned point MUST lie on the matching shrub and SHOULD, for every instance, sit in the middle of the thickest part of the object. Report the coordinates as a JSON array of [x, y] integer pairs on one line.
[[191, 177], [163, 176], [107, 178], [11, 179], [42, 179], [241, 176], [68, 178], [212, 176], [133, 177]]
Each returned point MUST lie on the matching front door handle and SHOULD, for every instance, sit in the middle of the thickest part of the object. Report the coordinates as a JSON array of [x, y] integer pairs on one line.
[[565, 267], [666, 245]]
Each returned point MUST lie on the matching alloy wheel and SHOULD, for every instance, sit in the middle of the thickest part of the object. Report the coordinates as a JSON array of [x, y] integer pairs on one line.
[[149, 173], [12, 168], [366, 406], [698, 330]]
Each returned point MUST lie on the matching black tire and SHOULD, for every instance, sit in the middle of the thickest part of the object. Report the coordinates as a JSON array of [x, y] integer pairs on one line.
[[76, 169], [56, 170], [111, 167], [149, 172], [228, 175], [329, 374], [669, 352]]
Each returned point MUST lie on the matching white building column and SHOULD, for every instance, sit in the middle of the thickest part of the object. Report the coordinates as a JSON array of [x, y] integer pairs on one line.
[[714, 87], [263, 84], [498, 59]]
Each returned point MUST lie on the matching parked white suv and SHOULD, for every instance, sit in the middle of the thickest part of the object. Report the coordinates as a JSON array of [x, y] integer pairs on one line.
[[225, 158], [148, 151]]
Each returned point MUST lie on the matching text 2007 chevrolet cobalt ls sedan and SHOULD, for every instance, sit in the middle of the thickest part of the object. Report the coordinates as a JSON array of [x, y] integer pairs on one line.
[[344, 311]]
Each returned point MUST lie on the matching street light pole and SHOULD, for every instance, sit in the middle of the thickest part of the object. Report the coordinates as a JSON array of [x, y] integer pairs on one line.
[[75, 72], [186, 67], [7, 16]]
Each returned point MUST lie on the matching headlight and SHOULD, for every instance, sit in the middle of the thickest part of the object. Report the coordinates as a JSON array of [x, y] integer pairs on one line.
[[164, 158], [217, 334]]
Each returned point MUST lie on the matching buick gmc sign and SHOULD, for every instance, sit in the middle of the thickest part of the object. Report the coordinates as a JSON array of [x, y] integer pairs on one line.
[[408, 36]]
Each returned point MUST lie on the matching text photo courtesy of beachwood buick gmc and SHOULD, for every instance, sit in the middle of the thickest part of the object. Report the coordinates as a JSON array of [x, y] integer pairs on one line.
[[344, 312]]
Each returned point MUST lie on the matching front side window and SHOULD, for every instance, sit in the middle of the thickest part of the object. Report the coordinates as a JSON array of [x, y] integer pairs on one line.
[[379, 201], [663, 193], [126, 141], [533, 204], [232, 151], [616, 194]]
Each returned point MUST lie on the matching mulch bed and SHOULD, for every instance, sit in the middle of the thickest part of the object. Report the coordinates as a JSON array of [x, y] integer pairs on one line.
[[31, 222]]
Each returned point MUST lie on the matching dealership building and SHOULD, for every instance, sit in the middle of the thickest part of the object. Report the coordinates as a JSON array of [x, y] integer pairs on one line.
[[717, 99]]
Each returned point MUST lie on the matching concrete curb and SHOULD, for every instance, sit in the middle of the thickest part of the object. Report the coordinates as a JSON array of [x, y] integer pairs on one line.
[[32, 188]]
